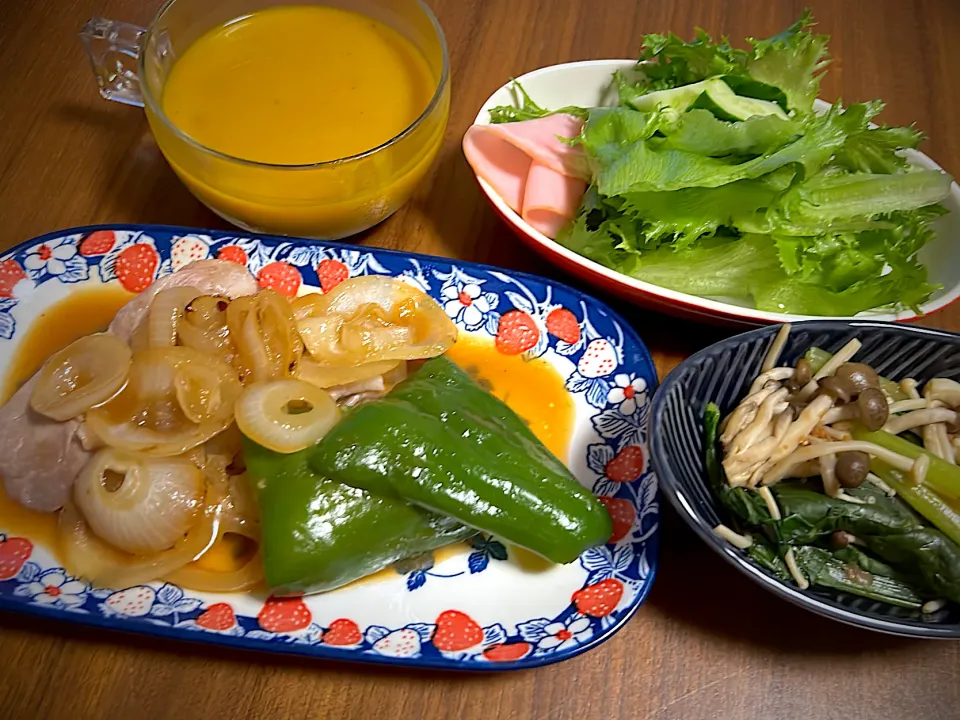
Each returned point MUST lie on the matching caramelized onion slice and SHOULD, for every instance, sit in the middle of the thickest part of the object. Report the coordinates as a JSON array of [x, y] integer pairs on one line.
[[87, 372], [139, 504], [373, 319], [198, 391], [147, 415], [265, 335], [285, 415], [166, 314], [204, 327], [101, 564]]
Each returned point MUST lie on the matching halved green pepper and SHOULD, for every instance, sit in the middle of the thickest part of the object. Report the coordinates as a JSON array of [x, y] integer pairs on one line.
[[318, 534], [440, 441]]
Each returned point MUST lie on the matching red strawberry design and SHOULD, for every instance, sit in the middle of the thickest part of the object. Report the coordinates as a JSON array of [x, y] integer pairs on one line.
[[280, 276], [282, 615], [136, 266], [456, 631], [516, 333], [331, 274], [13, 554], [99, 242], [622, 515], [10, 275], [217, 617], [563, 324], [627, 466], [233, 253], [342, 632], [506, 653], [599, 600]]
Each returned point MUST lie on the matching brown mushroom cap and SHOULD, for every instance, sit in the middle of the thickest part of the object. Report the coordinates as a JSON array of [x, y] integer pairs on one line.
[[857, 377], [873, 407], [852, 468]]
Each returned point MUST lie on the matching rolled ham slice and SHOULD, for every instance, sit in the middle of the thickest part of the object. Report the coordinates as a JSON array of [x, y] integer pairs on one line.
[[539, 176], [550, 199]]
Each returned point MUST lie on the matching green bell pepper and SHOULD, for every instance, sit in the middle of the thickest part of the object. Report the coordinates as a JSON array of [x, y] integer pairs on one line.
[[318, 534], [441, 442]]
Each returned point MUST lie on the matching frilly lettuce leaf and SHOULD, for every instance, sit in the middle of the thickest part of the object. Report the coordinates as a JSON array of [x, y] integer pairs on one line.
[[877, 150], [700, 132], [640, 167], [668, 62], [792, 61], [686, 215], [715, 267], [828, 199], [524, 108], [785, 68]]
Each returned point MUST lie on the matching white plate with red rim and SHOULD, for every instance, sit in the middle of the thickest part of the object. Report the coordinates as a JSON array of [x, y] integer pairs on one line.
[[588, 84], [475, 609]]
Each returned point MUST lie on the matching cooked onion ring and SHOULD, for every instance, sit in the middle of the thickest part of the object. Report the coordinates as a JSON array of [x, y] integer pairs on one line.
[[285, 415], [87, 372], [166, 313], [98, 562], [373, 319], [139, 504], [147, 415]]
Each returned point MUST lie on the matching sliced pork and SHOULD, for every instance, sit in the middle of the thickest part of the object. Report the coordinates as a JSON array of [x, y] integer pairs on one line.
[[39, 457]]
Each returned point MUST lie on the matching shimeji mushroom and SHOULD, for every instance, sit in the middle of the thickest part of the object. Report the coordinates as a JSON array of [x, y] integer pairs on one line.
[[943, 389]]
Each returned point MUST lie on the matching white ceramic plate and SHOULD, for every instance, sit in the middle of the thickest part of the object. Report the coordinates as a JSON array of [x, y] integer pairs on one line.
[[588, 84], [492, 611]]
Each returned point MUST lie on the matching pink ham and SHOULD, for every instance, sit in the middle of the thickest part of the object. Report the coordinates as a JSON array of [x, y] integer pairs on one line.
[[537, 175]]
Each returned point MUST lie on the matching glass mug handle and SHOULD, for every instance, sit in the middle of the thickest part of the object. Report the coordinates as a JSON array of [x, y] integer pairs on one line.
[[113, 48]]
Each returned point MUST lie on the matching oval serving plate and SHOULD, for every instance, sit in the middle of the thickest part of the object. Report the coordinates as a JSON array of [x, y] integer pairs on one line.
[[526, 617], [588, 84], [722, 373]]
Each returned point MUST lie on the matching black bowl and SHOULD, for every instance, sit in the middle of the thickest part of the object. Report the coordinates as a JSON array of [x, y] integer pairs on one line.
[[722, 373]]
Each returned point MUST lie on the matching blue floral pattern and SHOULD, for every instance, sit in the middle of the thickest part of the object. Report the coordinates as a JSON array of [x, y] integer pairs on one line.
[[604, 364]]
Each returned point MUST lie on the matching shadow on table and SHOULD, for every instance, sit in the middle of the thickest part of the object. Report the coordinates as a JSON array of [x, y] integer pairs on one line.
[[695, 587]]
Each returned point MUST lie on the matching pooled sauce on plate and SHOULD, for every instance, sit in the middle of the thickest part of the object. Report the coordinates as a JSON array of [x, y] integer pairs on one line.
[[533, 389]]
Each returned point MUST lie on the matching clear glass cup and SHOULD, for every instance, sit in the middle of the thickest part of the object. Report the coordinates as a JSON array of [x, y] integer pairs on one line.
[[326, 200]]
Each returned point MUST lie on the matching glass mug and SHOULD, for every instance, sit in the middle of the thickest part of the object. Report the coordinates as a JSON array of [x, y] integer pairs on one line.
[[325, 200]]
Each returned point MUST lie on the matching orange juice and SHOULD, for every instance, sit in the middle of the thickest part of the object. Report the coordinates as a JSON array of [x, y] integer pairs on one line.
[[285, 88]]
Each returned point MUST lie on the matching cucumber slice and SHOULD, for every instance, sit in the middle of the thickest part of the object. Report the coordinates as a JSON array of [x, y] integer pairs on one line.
[[727, 105], [679, 98], [712, 94]]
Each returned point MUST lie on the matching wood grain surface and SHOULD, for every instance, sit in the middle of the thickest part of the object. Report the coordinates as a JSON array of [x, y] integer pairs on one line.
[[708, 643]]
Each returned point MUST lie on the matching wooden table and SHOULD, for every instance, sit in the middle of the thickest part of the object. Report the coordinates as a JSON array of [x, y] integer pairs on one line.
[[708, 643]]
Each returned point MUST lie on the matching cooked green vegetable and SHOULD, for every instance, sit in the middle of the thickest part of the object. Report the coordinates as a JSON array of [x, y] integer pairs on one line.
[[809, 518], [942, 476], [922, 499], [318, 534], [714, 176], [846, 570], [441, 442]]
